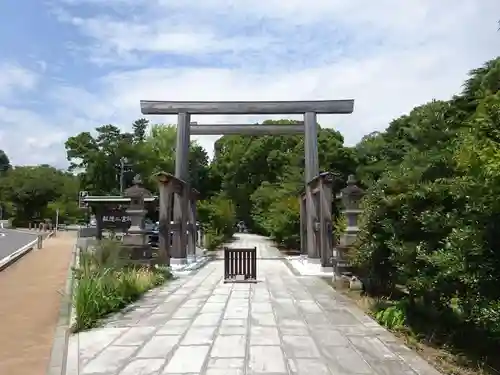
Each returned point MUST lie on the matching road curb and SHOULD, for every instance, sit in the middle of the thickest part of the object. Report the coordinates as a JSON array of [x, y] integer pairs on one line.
[[59, 352]]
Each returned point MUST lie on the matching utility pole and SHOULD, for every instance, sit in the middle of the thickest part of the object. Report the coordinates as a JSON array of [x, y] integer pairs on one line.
[[57, 219], [122, 174]]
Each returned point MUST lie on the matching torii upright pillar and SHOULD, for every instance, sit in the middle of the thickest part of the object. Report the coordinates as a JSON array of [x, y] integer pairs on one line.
[[311, 172], [181, 202]]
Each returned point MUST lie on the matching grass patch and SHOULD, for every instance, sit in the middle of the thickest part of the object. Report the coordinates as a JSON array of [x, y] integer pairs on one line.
[[104, 284], [450, 345]]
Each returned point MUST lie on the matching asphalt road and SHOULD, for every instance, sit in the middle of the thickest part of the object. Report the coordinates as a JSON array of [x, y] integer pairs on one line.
[[12, 240]]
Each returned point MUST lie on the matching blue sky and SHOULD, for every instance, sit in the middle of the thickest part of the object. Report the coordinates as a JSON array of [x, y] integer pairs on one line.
[[70, 65]]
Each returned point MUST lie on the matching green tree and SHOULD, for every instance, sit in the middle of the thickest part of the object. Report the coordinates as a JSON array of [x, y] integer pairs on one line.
[[98, 158], [29, 190], [158, 154], [4, 162], [260, 173], [218, 218], [430, 218]]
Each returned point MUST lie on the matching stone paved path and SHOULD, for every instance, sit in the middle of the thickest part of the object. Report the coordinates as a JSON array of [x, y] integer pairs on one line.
[[282, 325]]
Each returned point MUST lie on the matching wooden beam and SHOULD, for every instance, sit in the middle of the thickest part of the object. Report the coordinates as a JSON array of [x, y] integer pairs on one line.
[[177, 183], [112, 199], [179, 186], [227, 129], [152, 107], [292, 122]]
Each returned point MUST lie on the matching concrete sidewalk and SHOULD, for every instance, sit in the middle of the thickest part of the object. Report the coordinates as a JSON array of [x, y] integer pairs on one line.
[[30, 294], [282, 325]]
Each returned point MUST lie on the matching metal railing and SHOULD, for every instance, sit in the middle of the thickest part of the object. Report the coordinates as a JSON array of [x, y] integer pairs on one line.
[[240, 265], [11, 258]]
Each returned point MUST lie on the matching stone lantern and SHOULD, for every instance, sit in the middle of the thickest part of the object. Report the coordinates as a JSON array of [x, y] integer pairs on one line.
[[351, 197], [137, 235]]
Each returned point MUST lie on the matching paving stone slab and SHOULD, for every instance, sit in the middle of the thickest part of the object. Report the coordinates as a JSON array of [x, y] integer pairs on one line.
[[329, 337], [232, 346], [186, 313], [261, 335], [110, 360], [199, 336], [345, 360], [187, 359], [392, 368], [226, 366], [143, 367], [263, 319], [305, 366], [233, 327], [212, 307], [153, 320], [267, 359], [207, 319], [372, 349], [300, 347], [159, 347], [174, 327], [136, 336], [90, 343], [262, 307]]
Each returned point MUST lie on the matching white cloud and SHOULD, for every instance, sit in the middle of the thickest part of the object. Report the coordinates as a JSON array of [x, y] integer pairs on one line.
[[389, 56], [158, 37], [29, 138], [15, 78], [383, 88]]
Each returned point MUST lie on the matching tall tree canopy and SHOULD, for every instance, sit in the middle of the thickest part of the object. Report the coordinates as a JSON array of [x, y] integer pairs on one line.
[[263, 176], [98, 159]]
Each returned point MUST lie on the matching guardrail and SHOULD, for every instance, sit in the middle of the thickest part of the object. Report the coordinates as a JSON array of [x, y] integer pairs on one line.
[[8, 260]]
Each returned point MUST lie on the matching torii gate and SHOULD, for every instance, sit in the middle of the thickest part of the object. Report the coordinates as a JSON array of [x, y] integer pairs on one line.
[[309, 128]]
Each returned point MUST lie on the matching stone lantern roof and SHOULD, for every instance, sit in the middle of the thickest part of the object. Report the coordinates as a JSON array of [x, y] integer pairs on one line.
[[137, 190], [352, 189], [352, 194]]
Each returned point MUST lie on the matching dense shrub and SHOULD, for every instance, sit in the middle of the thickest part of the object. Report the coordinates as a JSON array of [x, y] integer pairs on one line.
[[104, 285], [431, 222], [217, 215], [283, 224]]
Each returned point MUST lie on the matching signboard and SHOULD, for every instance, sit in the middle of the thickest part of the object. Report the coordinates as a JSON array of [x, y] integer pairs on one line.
[[115, 219], [342, 264], [81, 196]]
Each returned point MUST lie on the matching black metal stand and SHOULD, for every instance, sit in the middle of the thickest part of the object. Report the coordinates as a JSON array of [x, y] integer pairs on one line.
[[240, 265]]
